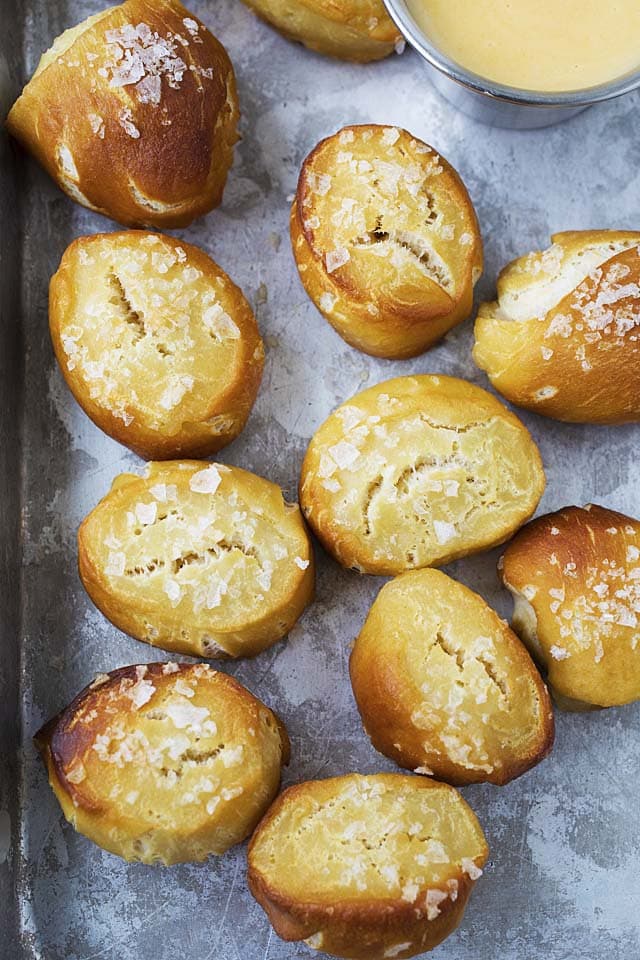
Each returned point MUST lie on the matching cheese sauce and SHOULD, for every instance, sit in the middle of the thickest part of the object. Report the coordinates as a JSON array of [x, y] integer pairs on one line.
[[542, 45]]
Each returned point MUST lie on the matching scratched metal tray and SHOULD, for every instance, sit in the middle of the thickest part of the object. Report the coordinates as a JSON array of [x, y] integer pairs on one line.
[[564, 876]]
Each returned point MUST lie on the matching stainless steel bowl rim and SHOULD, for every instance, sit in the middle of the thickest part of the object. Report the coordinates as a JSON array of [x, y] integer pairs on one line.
[[401, 16]]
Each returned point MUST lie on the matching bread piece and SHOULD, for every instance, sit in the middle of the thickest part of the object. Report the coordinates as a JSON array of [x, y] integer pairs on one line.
[[445, 688], [563, 339], [386, 240], [575, 579], [359, 30], [134, 114], [200, 558], [417, 472], [367, 867], [165, 763], [157, 344]]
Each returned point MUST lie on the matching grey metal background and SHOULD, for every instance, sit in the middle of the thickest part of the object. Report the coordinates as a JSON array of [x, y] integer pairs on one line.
[[564, 878]]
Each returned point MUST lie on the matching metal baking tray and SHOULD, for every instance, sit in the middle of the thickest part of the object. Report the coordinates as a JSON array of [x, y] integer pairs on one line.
[[563, 880]]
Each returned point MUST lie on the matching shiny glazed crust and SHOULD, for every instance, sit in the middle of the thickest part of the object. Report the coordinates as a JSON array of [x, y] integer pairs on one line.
[[575, 579], [386, 240], [198, 558], [445, 688], [134, 114], [563, 339], [359, 30], [164, 763], [156, 343], [417, 472], [367, 867]]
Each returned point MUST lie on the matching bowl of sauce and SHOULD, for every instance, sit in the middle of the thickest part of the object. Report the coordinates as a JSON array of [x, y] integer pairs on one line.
[[525, 63]]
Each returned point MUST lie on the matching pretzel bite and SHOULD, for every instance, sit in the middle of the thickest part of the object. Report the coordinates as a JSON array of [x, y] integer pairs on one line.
[[158, 346], [575, 579], [417, 472], [367, 868], [386, 240], [203, 559], [563, 338], [134, 114], [164, 763], [359, 30], [445, 688]]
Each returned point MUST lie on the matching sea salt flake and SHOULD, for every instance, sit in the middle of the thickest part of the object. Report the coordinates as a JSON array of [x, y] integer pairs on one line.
[[116, 564], [334, 259], [206, 481], [444, 531]]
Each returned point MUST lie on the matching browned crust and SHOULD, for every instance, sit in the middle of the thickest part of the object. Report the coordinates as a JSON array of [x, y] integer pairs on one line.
[[380, 692], [594, 376], [581, 537], [183, 166], [66, 741], [63, 739], [359, 929], [402, 329], [236, 401]]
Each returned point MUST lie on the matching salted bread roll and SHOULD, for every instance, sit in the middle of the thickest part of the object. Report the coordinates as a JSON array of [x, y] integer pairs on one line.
[[563, 338], [445, 688], [200, 558], [165, 763], [367, 867], [575, 579], [417, 472], [134, 114], [386, 240], [359, 30], [157, 344]]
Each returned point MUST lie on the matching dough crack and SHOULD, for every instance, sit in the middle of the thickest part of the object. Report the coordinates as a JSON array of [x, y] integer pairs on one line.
[[135, 318], [430, 263]]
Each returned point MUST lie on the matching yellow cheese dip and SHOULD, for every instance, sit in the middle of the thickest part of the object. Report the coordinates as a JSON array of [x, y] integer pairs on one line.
[[542, 45]]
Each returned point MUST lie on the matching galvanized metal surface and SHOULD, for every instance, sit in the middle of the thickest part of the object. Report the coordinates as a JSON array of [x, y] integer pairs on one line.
[[564, 877]]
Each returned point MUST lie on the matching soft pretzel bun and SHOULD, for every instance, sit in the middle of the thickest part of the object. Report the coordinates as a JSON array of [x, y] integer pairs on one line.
[[165, 762], [386, 240], [134, 114], [359, 30], [417, 472], [563, 338], [367, 867], [199, 558], [157, 344], [445, 688], [575, 579]]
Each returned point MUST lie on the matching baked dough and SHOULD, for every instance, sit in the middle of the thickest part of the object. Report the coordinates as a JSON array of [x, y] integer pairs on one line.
[[157, 344], [165, 763], [359, 30], [575, 579], [200, 558], [134, 114], [445, 688], [386, 240], [563, 339], [417, 472], [367, 867]]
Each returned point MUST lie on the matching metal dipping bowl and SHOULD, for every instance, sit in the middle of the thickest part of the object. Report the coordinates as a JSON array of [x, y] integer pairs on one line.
[[493, 103]]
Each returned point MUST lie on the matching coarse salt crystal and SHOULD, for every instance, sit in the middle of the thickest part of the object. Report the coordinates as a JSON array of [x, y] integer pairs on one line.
[[444, 531], [335, 259], [116, 564], [206, 481]]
